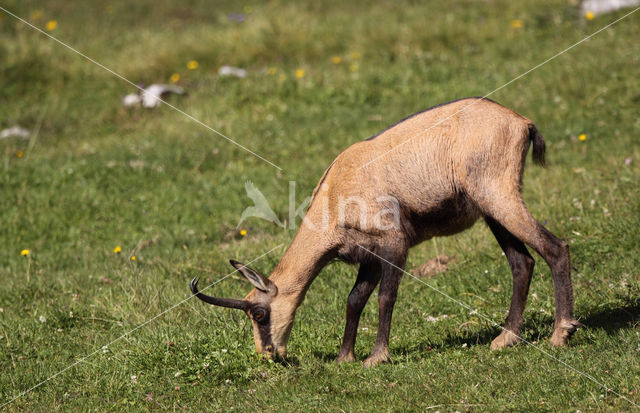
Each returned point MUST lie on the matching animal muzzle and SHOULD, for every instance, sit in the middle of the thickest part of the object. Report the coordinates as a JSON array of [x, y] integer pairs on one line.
[[274, 353]]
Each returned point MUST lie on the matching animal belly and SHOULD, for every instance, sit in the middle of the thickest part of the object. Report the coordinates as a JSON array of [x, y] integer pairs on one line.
[[450, 218]]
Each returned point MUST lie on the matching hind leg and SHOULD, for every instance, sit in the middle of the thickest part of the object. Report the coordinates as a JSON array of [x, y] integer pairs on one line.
[[521, 264], [513, 215], [368, 278], [387, 293]]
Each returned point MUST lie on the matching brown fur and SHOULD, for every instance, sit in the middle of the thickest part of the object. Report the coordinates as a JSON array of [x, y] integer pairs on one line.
[[446, 167]]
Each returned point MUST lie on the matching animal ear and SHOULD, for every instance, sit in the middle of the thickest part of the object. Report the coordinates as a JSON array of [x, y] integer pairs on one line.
[[259, 281]]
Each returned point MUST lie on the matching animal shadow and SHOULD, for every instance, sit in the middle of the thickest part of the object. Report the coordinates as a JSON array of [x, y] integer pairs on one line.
[[613, 319], [537, 326]]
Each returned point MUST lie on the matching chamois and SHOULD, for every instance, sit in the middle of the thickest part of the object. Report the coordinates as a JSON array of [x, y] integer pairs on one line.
[[432, 174]]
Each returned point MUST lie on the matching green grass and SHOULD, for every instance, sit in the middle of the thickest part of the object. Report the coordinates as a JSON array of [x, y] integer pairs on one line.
[[96, 175]]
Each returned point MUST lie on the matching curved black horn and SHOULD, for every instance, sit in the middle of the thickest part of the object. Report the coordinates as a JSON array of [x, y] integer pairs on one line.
[[222, 302]]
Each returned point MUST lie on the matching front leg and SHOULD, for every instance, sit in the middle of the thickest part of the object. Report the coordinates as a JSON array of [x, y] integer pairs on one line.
[[368, 278], [391, 276]]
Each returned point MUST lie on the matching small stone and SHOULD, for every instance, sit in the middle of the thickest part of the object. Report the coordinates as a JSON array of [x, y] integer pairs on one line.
[[433, 266], [232, 71], [592, 8], [15, 132], [131, 99]]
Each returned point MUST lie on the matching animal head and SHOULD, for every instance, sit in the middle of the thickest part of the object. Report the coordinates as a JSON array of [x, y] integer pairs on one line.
[[270, 313]]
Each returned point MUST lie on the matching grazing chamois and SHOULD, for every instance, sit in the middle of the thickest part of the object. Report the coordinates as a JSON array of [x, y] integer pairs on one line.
[[432, 174]]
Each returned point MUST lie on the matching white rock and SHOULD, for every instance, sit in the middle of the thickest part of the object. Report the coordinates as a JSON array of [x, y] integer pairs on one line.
[[605, 6], [151, 95], [232, 71], [15, 132], [132, 99]]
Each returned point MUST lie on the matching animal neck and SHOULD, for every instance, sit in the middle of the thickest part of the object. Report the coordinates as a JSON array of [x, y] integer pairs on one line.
[[308, 253]]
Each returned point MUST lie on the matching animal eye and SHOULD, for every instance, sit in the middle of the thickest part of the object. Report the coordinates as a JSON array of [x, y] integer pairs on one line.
[[259, 315]]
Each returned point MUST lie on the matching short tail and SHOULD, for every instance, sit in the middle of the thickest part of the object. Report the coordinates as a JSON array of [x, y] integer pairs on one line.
[[538, 145]]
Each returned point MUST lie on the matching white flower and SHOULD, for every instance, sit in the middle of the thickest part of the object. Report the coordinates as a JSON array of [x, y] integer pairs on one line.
[[134, 379], [433, 319], [42, 319]]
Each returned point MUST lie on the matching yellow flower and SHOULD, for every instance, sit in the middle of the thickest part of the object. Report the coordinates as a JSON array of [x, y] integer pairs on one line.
[[24, 253], [589, 15], [36, 14], [20, 154], [335, 60], [299, 73], [192, 65], [353, 67], [247, 9], [517, 23], [117, 249], [175, 77], [273, 71], [355, 55], [243, 232], [582, 137], [133, 258], [109, 9], [51, 25]]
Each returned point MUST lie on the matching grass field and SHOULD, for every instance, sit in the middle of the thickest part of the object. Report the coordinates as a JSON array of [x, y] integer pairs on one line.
[[321, 75]]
